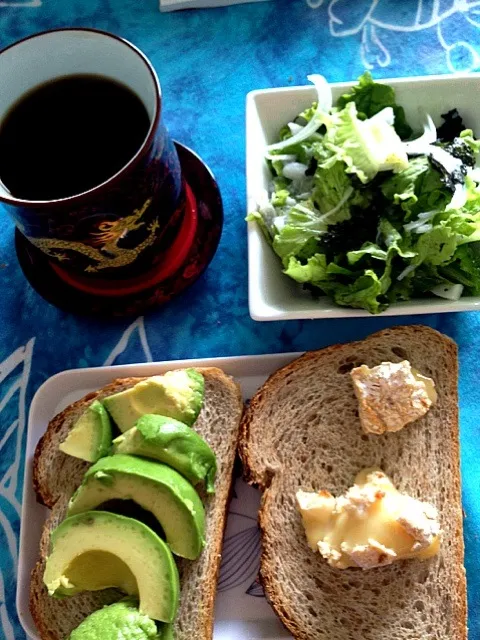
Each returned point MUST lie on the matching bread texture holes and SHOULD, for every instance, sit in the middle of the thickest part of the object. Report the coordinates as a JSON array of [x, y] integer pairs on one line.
[[269, 475], [346, 367], [400, 352], [352, 358]]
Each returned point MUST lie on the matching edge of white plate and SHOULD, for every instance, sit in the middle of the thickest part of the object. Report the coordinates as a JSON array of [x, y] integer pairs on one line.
[[69, 379]]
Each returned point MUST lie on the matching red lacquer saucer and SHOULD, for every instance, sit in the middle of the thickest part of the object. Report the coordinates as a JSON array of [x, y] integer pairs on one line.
[[186, 260]]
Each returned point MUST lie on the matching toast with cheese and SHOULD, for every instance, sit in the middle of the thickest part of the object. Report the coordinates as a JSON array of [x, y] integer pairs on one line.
[[302, 432]]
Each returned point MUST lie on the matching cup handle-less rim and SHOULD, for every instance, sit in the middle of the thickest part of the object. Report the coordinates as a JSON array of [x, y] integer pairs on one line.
[[98, 190]]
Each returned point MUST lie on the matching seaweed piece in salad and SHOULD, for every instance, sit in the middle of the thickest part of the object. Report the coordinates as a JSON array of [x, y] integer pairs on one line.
[[451, 127], [368, 213]]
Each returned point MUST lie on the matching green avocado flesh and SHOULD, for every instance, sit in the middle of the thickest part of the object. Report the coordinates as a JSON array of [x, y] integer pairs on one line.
[[98, 550], [91, 436], [119, 621], [176, 394], [155, 487], [173, 443]]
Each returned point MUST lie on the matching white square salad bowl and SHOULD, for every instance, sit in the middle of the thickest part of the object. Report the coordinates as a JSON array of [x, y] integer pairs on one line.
[[273, 295]]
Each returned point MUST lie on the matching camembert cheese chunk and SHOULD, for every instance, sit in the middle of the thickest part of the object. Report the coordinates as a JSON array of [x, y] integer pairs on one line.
[[391, 395], [372, 525]]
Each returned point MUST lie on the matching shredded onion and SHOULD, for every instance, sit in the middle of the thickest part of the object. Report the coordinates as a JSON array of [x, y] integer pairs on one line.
[[302, 209], [324, 92], [429, 136], [424, 228], [346, 196], [423, 218], [294, 127], [324, 104], [286, 157], [267, 210], [430, 130], [294, 170], [449, 162], [459, 197], [304, 185], [407, 271], [324, 216], [428, 215], [411, 226], [449, 292], [424, 146]]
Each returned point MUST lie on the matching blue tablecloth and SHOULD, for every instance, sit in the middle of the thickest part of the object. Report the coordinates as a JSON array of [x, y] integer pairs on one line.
[[207, 61]]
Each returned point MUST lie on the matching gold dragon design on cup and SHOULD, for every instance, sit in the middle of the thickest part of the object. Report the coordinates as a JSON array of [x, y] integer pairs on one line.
[[108, 254]]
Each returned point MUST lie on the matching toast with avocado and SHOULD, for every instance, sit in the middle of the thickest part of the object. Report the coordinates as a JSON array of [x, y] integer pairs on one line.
[[302, 433], [74, 490]]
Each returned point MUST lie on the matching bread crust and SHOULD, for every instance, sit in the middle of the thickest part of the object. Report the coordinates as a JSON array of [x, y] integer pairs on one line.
[[268, 472], [46, 451]]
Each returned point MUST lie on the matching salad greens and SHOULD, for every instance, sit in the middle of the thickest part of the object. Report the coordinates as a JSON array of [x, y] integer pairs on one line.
[[362, 210]]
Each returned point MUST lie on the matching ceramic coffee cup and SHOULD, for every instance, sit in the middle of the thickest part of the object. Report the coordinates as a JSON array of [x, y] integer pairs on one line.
[[123, 227]]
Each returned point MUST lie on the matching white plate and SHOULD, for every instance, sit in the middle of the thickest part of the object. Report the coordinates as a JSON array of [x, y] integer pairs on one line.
[[271, 294], [238, 614]]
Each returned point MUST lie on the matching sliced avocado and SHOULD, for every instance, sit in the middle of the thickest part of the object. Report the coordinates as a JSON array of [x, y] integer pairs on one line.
[[155, 487], [91, 436], [173, 443], [98, 550], [176, 394], [118, 621]]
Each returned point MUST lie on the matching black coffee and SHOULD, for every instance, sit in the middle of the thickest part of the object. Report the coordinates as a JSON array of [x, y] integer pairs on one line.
[[69, 135]]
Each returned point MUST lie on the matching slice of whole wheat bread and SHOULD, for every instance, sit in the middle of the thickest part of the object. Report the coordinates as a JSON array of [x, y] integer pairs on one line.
[[56, 475], [301, 431]]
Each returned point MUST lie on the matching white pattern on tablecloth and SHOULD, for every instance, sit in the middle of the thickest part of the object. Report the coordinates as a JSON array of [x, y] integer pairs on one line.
[[137, 326], [14, 377], [346, 19], [19, 3]]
